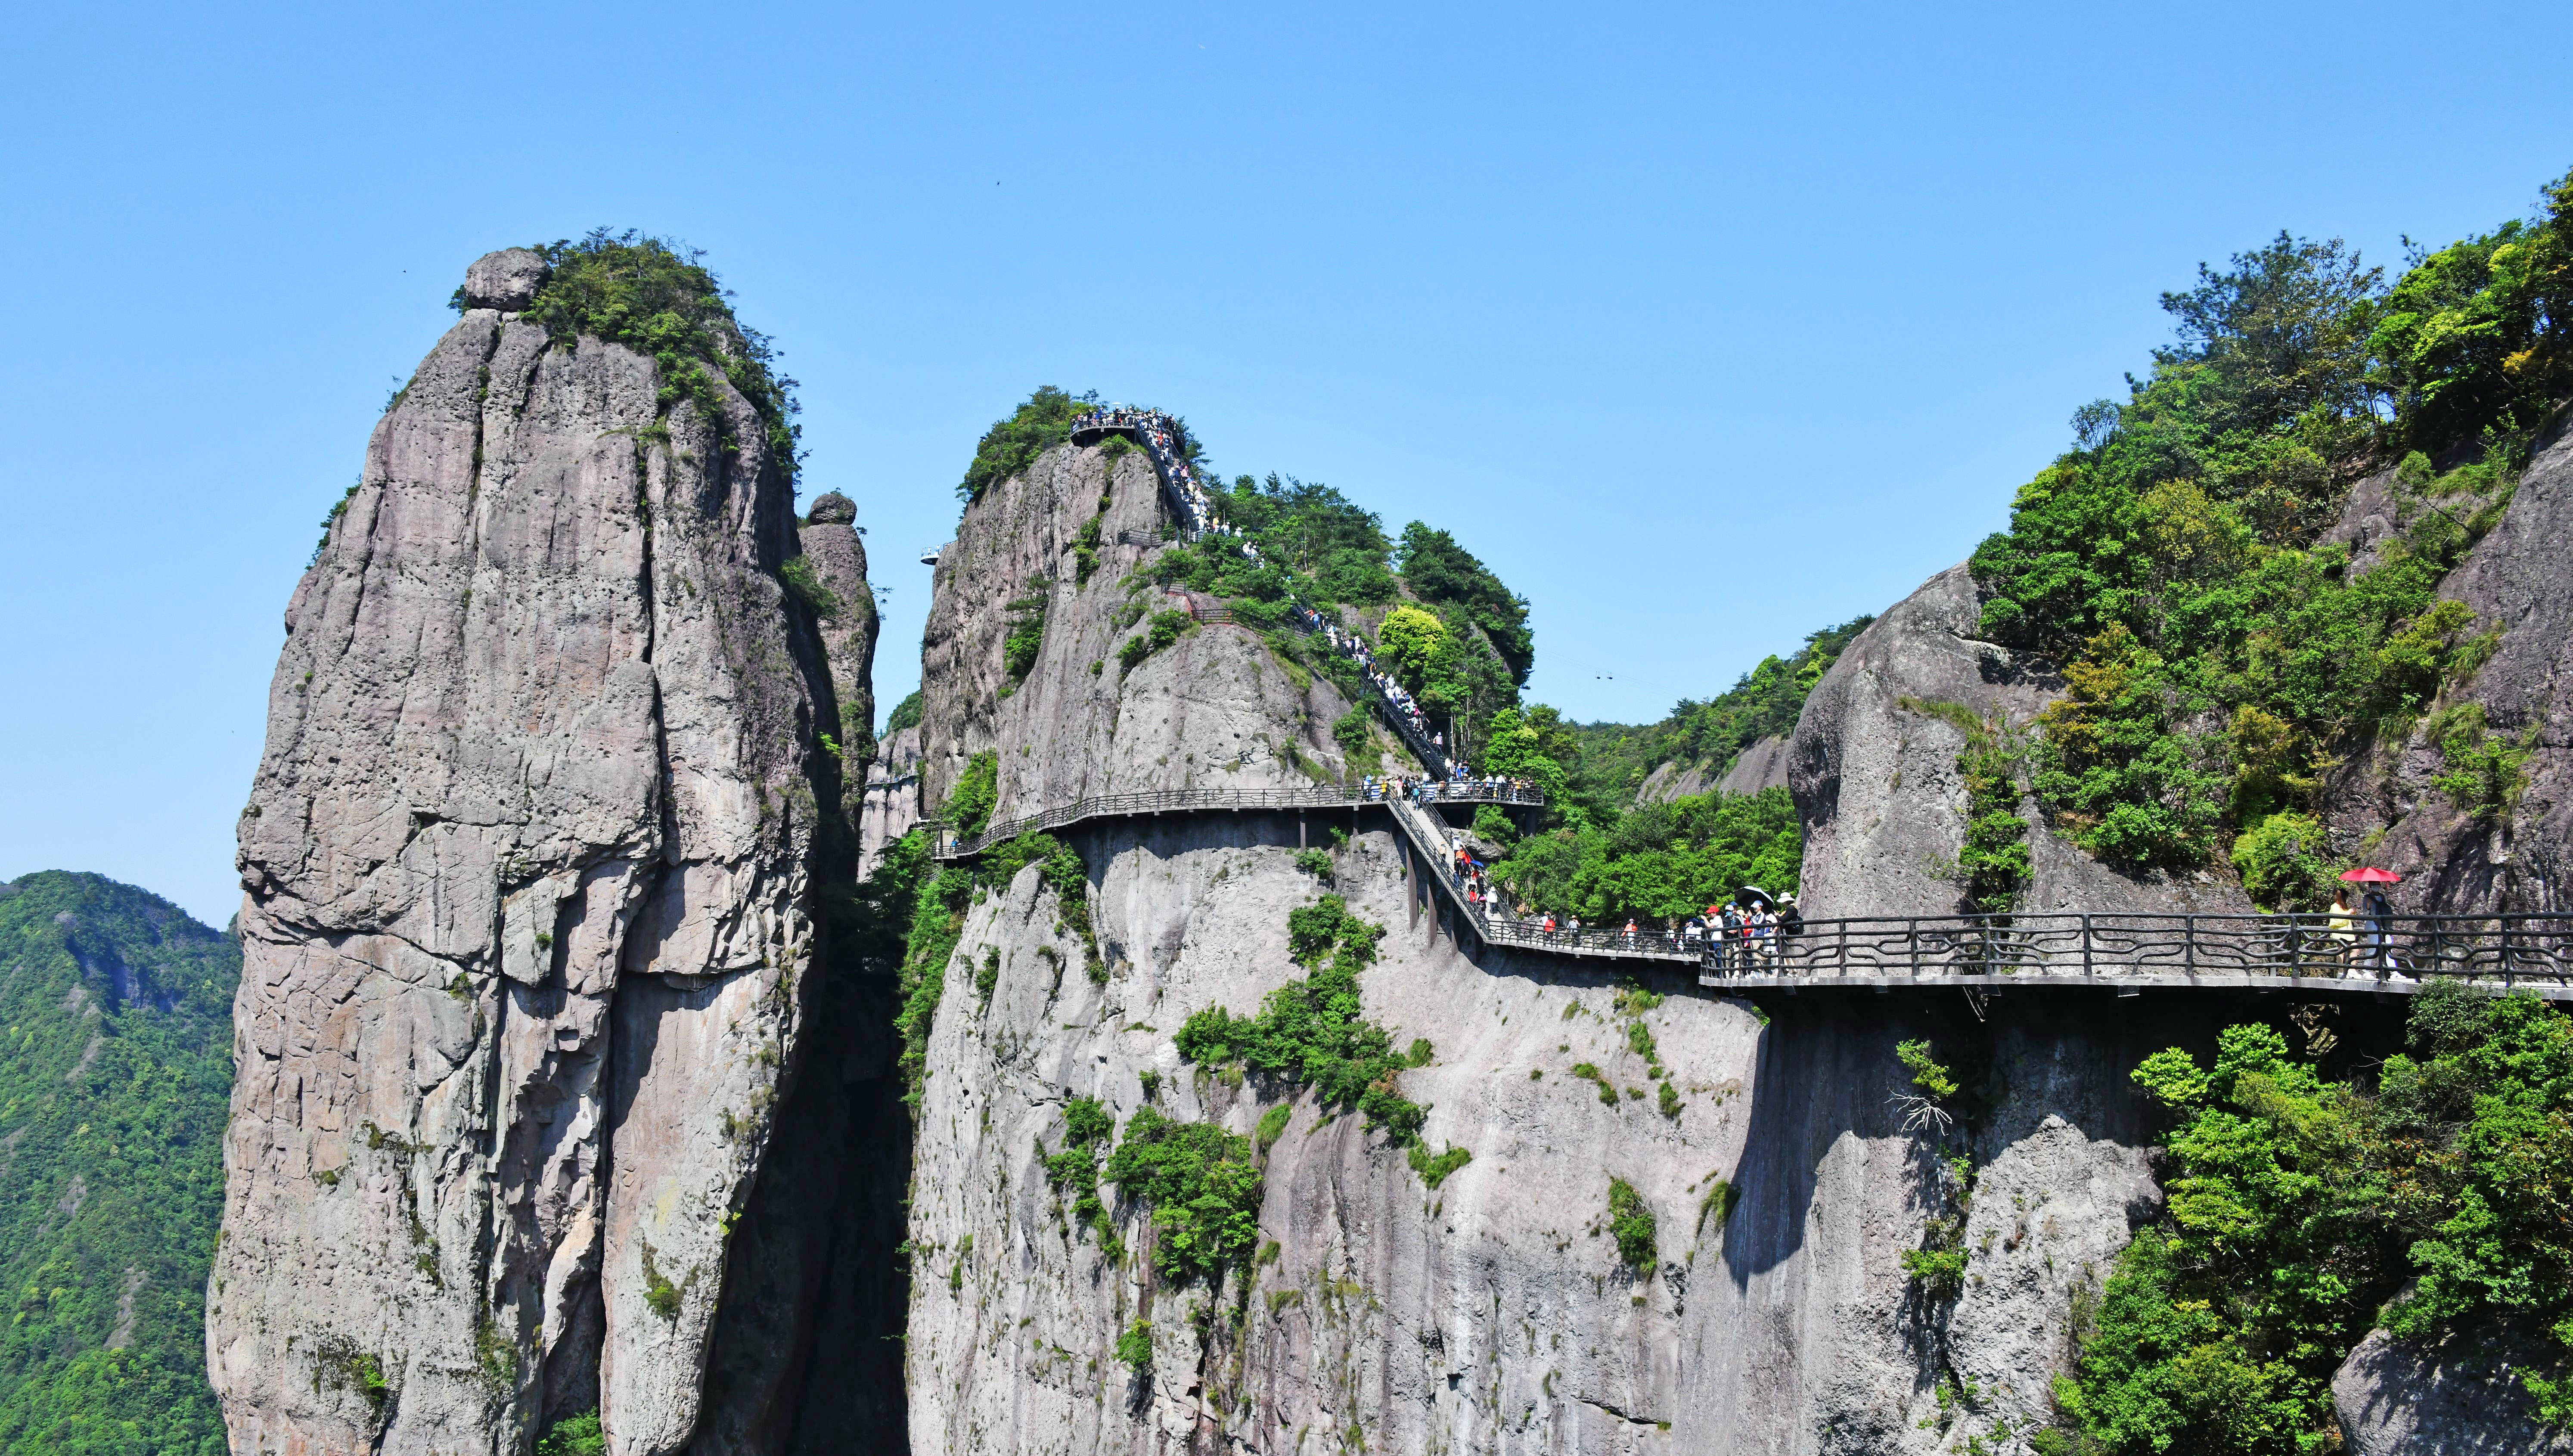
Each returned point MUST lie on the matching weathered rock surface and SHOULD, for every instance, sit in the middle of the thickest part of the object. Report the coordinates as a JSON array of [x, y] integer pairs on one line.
[[2398, 1398], [1761, 765], [849, 623], [1214, 709], [1670, 781], [527, 863], [1876, 781], [2451, 857]]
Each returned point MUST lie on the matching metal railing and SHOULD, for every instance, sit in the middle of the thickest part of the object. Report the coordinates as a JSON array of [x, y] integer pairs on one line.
[[947, 844], [2504, 949]]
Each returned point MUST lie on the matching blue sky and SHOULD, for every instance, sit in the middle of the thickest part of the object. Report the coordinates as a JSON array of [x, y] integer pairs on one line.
[[1704, 325]]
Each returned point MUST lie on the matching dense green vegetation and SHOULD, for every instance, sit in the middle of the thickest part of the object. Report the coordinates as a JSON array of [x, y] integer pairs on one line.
[[1204, 1185], [1460, 642], [1444, 574], [2301, 1207], [1311, 1032], [2219, 660], [905, 714], [577, 1435], [654, 297], [1013, 445], [112, 1096]]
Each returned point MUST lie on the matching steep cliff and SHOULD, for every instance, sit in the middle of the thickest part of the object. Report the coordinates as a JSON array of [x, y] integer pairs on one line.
[[890, 805], [530, 861], [2505, 843], [1494, 1311]]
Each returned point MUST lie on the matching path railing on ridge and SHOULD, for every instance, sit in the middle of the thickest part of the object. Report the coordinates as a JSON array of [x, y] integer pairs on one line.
[[1153, 431], [2394, 951], [2507, 950]]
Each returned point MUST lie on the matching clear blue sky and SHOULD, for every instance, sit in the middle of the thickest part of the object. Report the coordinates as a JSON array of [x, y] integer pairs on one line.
[[1704, 325]]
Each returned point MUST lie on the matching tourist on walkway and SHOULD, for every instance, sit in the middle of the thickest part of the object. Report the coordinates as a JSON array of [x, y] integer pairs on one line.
[[2342, 924]]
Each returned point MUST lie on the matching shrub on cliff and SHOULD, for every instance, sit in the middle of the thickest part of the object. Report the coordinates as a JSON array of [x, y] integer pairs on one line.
[[1311, 1032], [1013, 445], [1632, 1226], [1204, 1185], [657, 298]]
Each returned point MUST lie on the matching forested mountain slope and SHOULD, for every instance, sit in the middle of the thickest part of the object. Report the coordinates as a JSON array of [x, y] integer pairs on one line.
[[118, 1012]]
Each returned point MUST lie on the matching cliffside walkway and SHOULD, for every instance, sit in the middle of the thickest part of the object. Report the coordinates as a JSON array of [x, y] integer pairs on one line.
[[1189, 500], [945, 843], [2124, 953], [2399, 954]]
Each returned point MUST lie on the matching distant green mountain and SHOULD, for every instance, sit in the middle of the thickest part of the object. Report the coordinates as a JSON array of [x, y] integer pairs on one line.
[[113, 1084]]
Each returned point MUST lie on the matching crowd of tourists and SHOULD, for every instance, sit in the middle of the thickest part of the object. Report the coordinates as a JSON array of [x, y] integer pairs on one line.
[[1196, 507], [1458, 785], [1744, 935], [1354, 647]]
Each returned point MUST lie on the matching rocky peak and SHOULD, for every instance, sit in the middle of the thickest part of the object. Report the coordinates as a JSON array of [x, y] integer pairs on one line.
[[530, 859], [1875, 775], [1052, 555]]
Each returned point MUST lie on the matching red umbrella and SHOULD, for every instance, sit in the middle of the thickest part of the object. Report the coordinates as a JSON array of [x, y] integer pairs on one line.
[[2372, 876]]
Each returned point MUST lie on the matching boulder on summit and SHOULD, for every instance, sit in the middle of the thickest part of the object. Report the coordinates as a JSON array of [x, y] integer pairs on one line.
[[507, 279]]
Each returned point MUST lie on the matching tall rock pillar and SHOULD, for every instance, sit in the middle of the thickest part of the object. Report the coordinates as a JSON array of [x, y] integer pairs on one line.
[[528, 867]]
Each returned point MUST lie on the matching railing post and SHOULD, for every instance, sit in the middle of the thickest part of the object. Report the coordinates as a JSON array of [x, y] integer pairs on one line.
[[2295, 949], [2086, 948], [2188, 951]]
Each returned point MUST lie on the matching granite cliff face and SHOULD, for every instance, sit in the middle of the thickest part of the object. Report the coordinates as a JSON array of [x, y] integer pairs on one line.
[[1492, 1313], [1874, 772], [529, 931], [1216, 708]]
